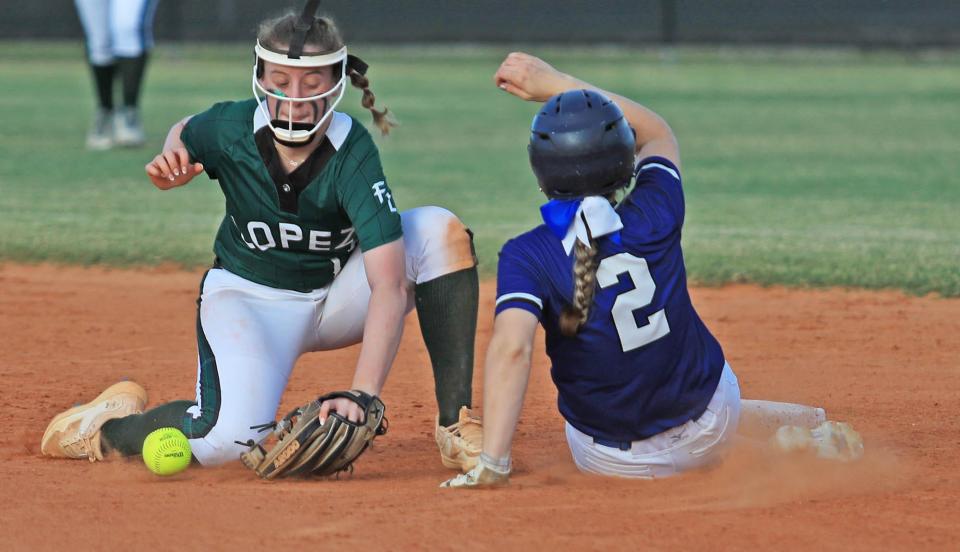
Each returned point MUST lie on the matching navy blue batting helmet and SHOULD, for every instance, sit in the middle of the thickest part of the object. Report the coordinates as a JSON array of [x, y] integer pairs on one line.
[[580, 145]]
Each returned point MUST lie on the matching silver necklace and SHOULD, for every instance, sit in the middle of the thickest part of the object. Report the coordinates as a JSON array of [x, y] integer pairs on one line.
[[288, 160]]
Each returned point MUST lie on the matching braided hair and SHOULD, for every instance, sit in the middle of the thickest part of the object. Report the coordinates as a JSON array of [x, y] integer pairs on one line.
[[575, 315]]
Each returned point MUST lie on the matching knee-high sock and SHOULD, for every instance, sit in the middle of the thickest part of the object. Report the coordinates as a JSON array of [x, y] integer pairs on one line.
[[126, 435], [447, 308], [132, 70], [103, 80]]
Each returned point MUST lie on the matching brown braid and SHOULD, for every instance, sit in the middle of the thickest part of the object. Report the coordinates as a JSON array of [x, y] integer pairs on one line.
[[575, 316], [322, 38], [383, 119]]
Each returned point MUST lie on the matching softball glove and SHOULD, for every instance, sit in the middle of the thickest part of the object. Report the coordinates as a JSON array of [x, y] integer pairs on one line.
[[305, 447]]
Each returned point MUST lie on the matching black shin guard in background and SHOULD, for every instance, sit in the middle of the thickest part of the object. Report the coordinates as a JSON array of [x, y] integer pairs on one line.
[[103, 79], [132, 70], [447, 308], [126, 435]]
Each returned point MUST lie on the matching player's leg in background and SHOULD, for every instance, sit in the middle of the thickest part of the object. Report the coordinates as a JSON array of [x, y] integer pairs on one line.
[[131, 27], [95, 18], [249, 337]]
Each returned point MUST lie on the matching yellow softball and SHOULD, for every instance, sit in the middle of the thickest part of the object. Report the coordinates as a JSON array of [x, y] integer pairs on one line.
[[166, 451]]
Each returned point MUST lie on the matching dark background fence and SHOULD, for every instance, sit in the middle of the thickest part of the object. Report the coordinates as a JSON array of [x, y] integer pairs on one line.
[[865, 23]]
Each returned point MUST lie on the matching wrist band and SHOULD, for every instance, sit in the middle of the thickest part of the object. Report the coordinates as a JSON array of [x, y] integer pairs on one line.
[[502, 464]]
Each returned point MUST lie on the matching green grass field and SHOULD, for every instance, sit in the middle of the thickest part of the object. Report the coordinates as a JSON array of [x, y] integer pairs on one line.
[[801, 167]]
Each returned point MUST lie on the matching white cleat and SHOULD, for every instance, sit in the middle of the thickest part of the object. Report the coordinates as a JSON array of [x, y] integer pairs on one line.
[[829, 440], [100, 137], [76, 432], [128, 130]]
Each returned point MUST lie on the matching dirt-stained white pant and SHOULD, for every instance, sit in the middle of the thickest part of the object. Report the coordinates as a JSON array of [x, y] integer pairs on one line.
[[692, 445], [255, 333]]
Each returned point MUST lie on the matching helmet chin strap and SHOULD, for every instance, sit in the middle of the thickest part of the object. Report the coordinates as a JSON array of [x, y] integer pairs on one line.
[[290, 144]]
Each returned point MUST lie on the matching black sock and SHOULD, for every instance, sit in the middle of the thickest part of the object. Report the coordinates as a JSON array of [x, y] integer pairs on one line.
[[447, 308], [103, 79], [131, 73], [126, 435]]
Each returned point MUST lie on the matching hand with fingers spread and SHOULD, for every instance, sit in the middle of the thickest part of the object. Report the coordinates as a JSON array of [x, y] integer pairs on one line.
[[172, 168], [530, 78]]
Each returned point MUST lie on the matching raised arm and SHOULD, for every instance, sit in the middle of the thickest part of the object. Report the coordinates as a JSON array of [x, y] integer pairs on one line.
[[172, 166], [530, 78]]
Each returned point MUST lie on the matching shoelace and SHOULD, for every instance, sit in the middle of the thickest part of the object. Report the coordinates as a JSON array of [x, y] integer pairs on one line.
[[84, 437], [260, 429], [263, 427], [82, 441], [460, 424]]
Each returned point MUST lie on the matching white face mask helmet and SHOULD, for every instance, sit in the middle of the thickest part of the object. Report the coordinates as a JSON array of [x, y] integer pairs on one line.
[[289, 132]]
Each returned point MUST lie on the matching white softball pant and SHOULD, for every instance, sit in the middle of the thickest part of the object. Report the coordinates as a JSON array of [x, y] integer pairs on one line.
[[116, 28], [251, 335], [692, 445]]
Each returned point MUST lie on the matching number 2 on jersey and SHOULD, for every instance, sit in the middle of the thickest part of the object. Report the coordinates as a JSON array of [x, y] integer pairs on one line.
[[632, 335]]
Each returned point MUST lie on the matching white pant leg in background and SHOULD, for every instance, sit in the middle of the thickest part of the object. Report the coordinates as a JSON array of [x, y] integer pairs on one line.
[[131, 26], [255, 335], [435, 243], [95, 18], [694, 444]]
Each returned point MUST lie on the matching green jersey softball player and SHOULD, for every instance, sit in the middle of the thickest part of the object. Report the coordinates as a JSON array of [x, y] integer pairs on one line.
[[312, 254]]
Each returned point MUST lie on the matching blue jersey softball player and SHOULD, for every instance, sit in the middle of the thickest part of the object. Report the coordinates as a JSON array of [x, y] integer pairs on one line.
[[643, 384]]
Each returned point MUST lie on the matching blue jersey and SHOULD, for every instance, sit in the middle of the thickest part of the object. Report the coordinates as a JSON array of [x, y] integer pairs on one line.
[[643, 362]]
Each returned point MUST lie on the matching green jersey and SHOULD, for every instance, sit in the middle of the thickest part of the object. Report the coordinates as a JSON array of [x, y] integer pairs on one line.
[[285, 234]]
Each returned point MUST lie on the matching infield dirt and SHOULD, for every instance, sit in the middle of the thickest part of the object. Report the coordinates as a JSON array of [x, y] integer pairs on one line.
[[886, 362]]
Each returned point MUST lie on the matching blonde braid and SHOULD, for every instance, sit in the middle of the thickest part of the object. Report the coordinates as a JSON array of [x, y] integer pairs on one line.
[[383, 119], [575, 316]]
